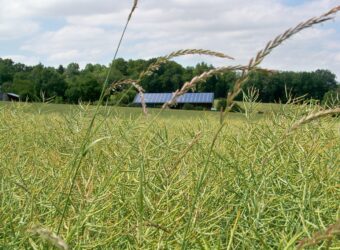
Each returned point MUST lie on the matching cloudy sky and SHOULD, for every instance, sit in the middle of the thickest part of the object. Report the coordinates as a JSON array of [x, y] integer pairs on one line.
[[62, 31]]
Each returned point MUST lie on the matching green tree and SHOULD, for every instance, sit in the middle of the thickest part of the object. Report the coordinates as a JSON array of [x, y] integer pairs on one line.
[[83, 88], [23, 86], [6, 70], [48, 81], [72, 70]]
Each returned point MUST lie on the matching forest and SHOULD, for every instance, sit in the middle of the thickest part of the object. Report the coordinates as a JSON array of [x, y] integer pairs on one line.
[[72, 84]]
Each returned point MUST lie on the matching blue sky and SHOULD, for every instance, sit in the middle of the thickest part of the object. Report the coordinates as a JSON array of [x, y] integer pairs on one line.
[[86, 31], [293, 2]]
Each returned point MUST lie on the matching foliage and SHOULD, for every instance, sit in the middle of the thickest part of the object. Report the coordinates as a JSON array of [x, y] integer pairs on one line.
[[24, 87], [274, 86], [72, 84], [123, 98], [84, 87], [237, 108], [221, 104], [188, 106], [332, 98]]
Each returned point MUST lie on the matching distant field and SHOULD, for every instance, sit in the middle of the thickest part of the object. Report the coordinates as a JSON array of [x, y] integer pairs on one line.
[[265, 108], [166, 181]]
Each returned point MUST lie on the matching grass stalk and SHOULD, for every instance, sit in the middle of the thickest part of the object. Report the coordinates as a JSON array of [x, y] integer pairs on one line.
[[87, 138]]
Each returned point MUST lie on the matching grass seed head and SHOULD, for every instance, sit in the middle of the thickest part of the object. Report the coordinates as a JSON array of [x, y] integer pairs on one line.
[[50, 237]]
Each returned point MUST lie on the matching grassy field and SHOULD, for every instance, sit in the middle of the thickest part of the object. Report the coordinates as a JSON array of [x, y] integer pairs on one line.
[[135, 112], [166, 181]]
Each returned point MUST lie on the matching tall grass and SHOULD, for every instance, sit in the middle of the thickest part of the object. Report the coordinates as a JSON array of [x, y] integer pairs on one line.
[[86, 142], [100, 179], [139, 193]]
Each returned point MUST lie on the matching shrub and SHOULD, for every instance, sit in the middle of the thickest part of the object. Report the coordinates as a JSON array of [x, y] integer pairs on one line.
[[332, 98], [221, 104], [123, 98], [58, 99], [188, 106]]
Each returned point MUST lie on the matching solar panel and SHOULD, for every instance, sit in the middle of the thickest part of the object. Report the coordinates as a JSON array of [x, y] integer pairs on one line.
[[186, 98], [196, 98]]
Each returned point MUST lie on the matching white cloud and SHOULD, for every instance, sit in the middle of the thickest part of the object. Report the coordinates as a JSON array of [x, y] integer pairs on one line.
[[29, 60], [13, 29], [337, 57], [28, 8], [236, 27], [71, 44]]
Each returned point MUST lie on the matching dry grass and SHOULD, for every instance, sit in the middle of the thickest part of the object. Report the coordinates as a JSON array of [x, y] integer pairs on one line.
[[161, 60], [314, 116], [50, 237], [328, 235], [134, 7]]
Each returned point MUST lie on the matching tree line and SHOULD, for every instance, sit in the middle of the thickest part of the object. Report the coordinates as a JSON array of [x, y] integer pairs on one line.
[[71, 84]]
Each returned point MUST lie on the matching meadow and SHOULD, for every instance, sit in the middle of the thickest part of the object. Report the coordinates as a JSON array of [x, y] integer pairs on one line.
[[167, 181]]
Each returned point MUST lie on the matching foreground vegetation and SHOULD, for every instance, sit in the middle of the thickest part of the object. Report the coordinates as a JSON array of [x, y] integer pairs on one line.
[[152, 182]]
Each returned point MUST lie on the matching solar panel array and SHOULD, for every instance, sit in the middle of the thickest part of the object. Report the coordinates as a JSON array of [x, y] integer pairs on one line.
[[186, 98]]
